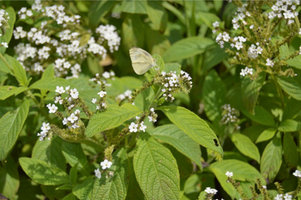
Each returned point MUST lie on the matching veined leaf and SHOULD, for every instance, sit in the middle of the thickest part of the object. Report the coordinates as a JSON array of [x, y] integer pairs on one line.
[[74, 154], [271, 158], [290, 150], [113, 117], [193, 126], [292, 109], [134, 6], [116, 186], [98, 9], [266, 135], [83, 191], [157, 14], [174, 136], [8, 31], [156, 170], [40, 172], [290, 86], [11, 125], [186, 48], [246, 146], [262, 116], [289, 125], [7, 91]]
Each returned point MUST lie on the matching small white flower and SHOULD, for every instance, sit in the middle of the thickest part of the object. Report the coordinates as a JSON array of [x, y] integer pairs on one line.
[[142, 127], [97, 173], [106, 164], [297, 173], [288, 197], [270, 63], [52, 108], [72, 118], [94, 100], [74, 93], [4, 44], [65, 121], [209, 190], [60, 90], [264, 186], [133, 127], [77, 111], [229, 174], [278, 197], [215, 24], [102, 94]]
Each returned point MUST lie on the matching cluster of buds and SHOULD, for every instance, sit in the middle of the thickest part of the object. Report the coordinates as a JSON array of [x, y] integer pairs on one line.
[[229, 116], [104, 165]]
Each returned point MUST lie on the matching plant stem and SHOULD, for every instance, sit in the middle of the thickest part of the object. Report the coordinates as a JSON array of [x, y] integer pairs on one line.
[[279, 90]]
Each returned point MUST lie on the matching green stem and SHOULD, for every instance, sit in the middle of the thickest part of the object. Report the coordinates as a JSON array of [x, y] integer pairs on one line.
[[279, 90]]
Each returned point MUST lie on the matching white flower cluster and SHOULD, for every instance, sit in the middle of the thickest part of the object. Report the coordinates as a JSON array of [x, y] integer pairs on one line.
[[45, 129], [285, 197], [297, 173], [254, 50], [246, 71], [126, 95], [152, 116], [222, 38], [105, 75], [285, 9], [171, 83], [3, 19], [134, 127], [105, 165], [229, 115], [209, 190], [68, 48], [270, 63]]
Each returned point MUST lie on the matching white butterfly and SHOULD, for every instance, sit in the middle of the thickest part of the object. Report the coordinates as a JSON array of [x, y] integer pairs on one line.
[[142, 61]]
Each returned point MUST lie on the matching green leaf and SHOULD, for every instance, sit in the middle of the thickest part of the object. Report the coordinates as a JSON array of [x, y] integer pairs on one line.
[[214, 92], [271, 158], [73, 174], [49, 72], [116, 186], [49, 84], [175, 11], [292, 109], [156, 42], [290, 150], [50, 151], [40, 172], [290, 86], [289, 125], [186, 48], [113, 117], [67, 186], [241, 171], [207, 18], [295, 62], [9, 179], [174, 136], [99, 9], [266, 135], [11, 125], [250, 91], [74, 154], [172, 67], [6, 37], [7, 91], [83, 191], [156, 169], [134, 6], [69, 197], [193, 126], [157, 14], [262, 116], [214, 57]]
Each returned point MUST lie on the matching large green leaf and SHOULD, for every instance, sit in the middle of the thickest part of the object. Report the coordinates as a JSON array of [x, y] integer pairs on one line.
[[266, 135], [241, 171], [6, 37], [186, 48], [98, 9], [262, 116], [246, 146], [214, 57], [49, 84], [74, 154], [83, 191], [174, 10], [292, 109], [157, 15], [9, 178], [111, 118], [42, 173], [250, 91], [271, 158], [7, 91], [290, 86], [207, 18], [134, 6], [174, 136], [193, 126], [50, 151], [214, 92], [295, 62], [11, 125], [289, 125], [290, 150], [116, 186], [156, 170]]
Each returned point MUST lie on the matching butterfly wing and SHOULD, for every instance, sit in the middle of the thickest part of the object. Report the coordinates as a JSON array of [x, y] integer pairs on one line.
[[142, 61]]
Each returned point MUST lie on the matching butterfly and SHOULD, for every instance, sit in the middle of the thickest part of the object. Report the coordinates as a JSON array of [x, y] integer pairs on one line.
[[142, 61]]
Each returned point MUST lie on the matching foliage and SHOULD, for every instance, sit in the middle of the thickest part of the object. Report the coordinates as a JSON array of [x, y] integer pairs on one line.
[[77, 123]]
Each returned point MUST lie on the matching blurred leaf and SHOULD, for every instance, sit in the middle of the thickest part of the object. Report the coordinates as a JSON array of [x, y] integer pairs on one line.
[[186, 48], [262, 116], [70, 197], [156, 42], [193, 126], [134, 6], [113, 117], [157, 15], [289, 125], [290, 86], [214, 92], [42, 173], [83, 191], [292, 109], [214, 57], [207, 18], [172, 67], [295, 62], [174, 136], [290, 150], [271, 158], [245, 146], [50, 151], [153, 163], [74, 154], [7, 91], [114, 187], [218, 4], [99, 9], [6, 37], [9, 179], [11, 125], [250, 91], [174, 10], [266, 135], [73, 174]]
